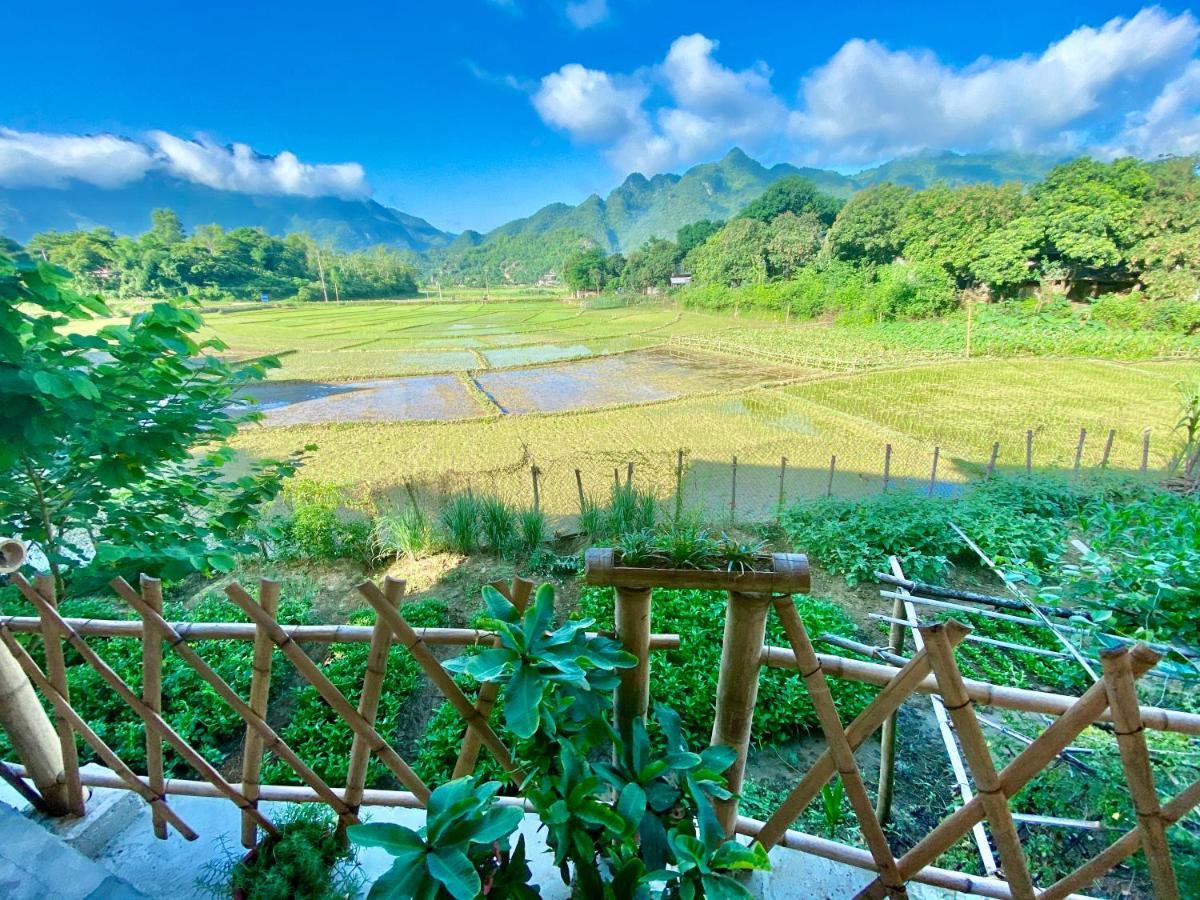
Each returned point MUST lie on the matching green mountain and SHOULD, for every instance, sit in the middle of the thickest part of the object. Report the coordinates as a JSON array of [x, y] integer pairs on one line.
[[642, 208]]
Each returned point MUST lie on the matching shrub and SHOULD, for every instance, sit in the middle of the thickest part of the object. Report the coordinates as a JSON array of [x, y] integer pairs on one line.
[[408, 533], [318, 527], [533, 530], [498, 524], [460, 521]]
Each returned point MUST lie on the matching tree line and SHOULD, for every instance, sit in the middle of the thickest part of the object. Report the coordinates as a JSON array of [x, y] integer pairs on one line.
[[215, 264], [1127, 231]]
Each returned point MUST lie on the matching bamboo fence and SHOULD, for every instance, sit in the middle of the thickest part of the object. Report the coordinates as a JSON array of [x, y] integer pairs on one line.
[[753, 598]]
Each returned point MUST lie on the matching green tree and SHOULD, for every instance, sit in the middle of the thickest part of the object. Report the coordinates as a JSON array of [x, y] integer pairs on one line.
[[691, 236], [651, 266], [113, 442], [586, 270], [868, 228], [794, 241], [949, 226], [737, 254], [794, 194]]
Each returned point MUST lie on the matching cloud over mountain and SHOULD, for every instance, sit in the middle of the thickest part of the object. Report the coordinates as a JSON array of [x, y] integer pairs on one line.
[[34, 159], [1130, 85]]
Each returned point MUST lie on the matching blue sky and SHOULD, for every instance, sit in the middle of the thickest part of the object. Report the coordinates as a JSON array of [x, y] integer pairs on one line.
[[471, 112]]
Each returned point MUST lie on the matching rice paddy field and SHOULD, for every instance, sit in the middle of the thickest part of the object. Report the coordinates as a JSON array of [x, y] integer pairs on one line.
[[447, 395]]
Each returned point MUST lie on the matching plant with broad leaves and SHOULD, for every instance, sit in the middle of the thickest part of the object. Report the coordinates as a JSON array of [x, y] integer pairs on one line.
[[531, 662], [666, 779], [461, 851], [703, 863]]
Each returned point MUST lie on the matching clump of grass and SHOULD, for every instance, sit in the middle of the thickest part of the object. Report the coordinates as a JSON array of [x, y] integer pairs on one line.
[[630, 510], [591, 519], [460, 519], [408, 533], [532, 524], [498, 524]]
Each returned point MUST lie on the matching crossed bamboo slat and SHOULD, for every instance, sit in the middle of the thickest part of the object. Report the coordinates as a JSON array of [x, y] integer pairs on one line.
[[260, 693], [149, 716], [839, 747], [441, 678]]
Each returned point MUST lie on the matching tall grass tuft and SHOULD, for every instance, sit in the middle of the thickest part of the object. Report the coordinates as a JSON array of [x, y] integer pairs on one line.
[[408, 533], [532, 523], [460, 520], [499, 525], [629, 511], [592, 518]]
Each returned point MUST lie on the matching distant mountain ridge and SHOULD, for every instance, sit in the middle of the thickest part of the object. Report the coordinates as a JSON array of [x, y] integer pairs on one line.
[[642, 208], [349, 224]]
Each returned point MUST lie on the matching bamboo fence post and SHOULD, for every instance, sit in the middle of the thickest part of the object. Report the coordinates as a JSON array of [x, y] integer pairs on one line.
[[1029, 452], [534, 471], [894, 692], [312, 673], [632, 620], [616, 476], [368, 698], [832, 468], [737, 689], [152, 662], [933, 471], [157, 801], [260, 693], [1108, 445], [979, 760], [839, 746], [32, 735], [887, 735], [1079, 451], [1135, 761], [782, 476], [518, 595], [442, 680], [133, 701], [579, 488], [887, 466], [1145, 450], [56, 671], [733, 494], [629, 474], [679, 486], [991, 469]]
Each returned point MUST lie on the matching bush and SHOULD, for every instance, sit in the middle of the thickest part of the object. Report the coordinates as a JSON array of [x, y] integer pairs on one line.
[[318, 527], [686, 678]]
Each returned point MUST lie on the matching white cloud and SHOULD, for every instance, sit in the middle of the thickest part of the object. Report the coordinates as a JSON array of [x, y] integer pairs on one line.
[[1128, 86], [586, 13], [590, 105], [33, 159]]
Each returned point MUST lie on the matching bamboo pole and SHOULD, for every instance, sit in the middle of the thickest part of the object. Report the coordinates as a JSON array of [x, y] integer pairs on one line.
[[368, 699], [534, 472], [442, 680], [632, 696], [839, 747], [1135, 761], [991, 469], [911, 622], [782, 476], [312, 673], [1108, 445], [737, 690], [301, 634], [887, 466], [1029, 452], [887, 735], [260, 692], [130, 781], [132, 700], [679, 486], [832, 468], [733, 494], [56, 671], [1145, 451], [896, 689], [1079, 450], [933, 471], [518, 595], [152, 694], [32, 734], [579, 488]]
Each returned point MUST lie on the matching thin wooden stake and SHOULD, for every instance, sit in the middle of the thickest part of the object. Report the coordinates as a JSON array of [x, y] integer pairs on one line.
[[152, 661], [579, 488], [56, 671], [260, 692], [1145, 450], [887, 466], [1079, 450], [1029, 452], [534, 472], [1131, 743], [629, 475], [933, 471], [368, 698], [733, 494], [518, 595], [782, 476], [979, 759], [832, 469], [991, 469], [616, 476], [679, 486], [887, 736], [1108, 444]]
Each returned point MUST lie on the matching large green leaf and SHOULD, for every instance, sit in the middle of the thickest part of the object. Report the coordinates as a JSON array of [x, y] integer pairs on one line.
[[403, 880], [497, 823], [722, 887], [454, 870], [522, 698], [391, 837]]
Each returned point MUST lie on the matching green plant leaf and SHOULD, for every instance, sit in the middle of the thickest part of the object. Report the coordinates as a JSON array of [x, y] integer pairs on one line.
[[391, 837], [454, 870], [522, 697]]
